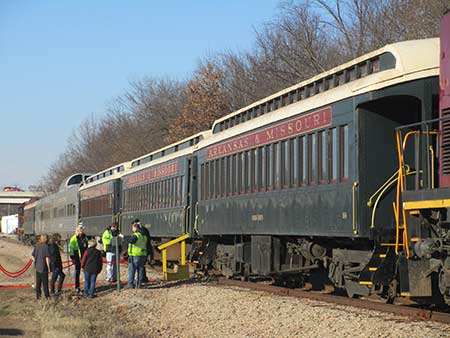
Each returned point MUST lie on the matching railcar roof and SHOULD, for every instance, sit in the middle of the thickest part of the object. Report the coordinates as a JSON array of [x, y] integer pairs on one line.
[[413, 59], [173, 155], [30, 205], [106, 175], [174, 146]]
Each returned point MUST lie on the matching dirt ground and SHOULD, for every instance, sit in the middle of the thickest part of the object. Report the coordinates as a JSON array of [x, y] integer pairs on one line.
[[185, 309]]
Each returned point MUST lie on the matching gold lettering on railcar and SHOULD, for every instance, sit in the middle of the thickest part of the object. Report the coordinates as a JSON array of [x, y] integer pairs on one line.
[[299, 125]]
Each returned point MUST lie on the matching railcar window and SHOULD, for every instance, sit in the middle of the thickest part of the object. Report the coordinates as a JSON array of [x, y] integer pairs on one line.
[[182, 190], [244, 172], [217, 176], [333, 167], [175, 191], [269, 159], [304, 166], [352, 74], [282, 164], [222, 177], [292, 162], [239, 173], [226, 175], [252, 170], [205, 180], [262, 157], [310, 159], [211, 179], [156, 194], [322, 156], [234, 174], [162, 193], [375, 65], [279, 164], [169, 193], [274, 168], [344, 147], [259, 172], [296, 162]]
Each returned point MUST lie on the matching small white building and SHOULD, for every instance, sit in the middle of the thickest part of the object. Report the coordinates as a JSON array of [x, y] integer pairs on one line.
[[9, 224]]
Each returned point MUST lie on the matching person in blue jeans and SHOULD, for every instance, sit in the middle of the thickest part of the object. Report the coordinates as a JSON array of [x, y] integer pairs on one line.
[[91, 263], [56, 264], [137, 256]]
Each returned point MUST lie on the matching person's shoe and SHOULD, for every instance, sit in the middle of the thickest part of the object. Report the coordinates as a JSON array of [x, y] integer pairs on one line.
[[77, 290]]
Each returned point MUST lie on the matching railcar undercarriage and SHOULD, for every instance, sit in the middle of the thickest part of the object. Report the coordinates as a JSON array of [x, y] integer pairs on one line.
[[371, 269]]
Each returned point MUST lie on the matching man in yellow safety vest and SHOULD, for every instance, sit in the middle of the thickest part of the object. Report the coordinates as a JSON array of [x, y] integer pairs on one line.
[[77, 246], [110, 251], [137, 256]]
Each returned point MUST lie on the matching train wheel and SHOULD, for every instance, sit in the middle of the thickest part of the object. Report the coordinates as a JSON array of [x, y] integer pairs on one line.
[[391, 292]]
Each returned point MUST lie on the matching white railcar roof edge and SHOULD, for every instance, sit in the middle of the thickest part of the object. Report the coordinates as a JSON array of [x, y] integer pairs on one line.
[[127, 166], [411, 56]]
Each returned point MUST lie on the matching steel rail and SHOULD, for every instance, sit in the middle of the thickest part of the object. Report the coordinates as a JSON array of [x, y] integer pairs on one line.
[[400, 310]]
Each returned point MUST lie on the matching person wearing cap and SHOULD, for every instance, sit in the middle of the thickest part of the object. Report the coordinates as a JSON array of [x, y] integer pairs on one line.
[[109, 249], [144, 231], [91, 263], [77, 246], [137, 256]]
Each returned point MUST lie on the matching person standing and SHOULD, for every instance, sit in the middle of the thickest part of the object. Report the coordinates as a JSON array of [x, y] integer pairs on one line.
[[137, 256], [149, 257], [41, 257], [110, 250], [56, 264], [77, 246], [91, 263]]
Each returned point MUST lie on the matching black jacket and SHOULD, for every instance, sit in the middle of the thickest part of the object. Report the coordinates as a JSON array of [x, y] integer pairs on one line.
[[55, 257], [92, 261], [146, 233]]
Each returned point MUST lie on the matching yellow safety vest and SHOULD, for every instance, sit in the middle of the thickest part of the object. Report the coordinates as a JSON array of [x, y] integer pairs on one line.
[[74, 247], [106, 239], [140, 247]]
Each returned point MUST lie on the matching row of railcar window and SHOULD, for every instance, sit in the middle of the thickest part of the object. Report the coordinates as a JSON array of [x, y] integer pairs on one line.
[[98, 206], [66, 211], [166, 193], [307, 160]]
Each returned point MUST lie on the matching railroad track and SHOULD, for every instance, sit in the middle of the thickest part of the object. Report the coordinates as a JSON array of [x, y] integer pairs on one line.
[[405, 311]]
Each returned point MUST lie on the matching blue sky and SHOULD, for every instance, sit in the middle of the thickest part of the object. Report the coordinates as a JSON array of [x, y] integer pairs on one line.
[[62, 61]]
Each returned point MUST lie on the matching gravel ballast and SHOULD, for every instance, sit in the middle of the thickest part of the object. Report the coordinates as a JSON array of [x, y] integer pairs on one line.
[[200, 310], [188, 309]]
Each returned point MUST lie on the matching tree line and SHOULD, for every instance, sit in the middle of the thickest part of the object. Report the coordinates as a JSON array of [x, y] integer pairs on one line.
[[304, 38]]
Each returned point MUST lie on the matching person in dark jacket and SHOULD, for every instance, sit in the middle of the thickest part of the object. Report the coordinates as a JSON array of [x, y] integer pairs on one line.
[[109, 249], [56, 264], [41, 257], [137, 256], [77, 246], [149, 257], [91, 263]]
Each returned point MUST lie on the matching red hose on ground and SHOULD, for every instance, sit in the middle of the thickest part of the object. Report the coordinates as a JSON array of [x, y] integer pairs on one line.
[[23, 286], [19, 273]]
